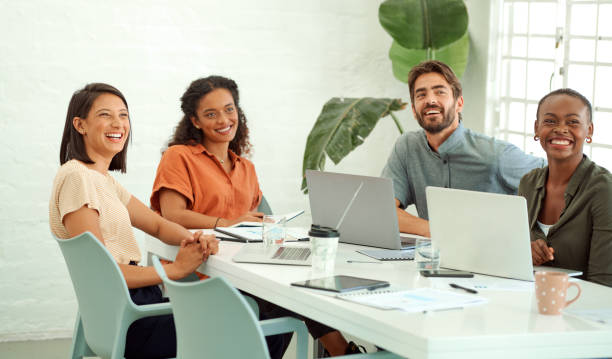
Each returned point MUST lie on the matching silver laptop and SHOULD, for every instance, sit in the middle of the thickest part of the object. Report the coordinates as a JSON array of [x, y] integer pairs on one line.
[[480, 232], [372, 218], [258, 253]]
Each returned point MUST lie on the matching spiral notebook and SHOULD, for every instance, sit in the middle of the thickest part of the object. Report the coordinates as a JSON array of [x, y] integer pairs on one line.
[[413, 300]]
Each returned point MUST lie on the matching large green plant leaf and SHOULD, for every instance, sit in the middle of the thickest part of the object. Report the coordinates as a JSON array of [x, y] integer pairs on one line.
[[422, 24], [454, 55], [342, 125]]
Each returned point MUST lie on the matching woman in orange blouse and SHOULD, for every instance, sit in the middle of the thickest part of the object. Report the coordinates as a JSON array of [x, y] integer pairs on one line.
[[203, 182]]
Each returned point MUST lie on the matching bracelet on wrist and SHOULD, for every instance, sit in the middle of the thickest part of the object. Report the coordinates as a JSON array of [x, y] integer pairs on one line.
[[216, 222]]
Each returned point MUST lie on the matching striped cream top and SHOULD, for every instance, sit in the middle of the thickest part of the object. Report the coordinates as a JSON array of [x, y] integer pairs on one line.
[[76, 186]]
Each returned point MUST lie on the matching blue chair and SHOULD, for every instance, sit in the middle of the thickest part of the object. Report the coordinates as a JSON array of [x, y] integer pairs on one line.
[[105, 307], [264, 206], [214, 321]]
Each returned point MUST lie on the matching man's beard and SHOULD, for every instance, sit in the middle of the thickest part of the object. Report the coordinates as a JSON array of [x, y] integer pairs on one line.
[[437, 127]]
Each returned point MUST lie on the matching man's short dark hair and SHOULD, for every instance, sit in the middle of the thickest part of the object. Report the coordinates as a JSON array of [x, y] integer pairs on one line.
[[437, 67]]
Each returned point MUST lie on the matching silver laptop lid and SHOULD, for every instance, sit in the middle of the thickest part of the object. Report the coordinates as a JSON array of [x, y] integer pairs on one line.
[[372, 218], [481, 232]]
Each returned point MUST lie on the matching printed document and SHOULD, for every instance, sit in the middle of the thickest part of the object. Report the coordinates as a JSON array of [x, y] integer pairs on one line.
[[414, 300]]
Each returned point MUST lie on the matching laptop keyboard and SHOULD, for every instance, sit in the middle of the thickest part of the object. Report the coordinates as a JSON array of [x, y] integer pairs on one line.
[[292, 253]]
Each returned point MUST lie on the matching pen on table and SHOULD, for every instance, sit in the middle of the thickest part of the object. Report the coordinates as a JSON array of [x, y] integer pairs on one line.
[[469, 290], [352, 261], [441, 310]]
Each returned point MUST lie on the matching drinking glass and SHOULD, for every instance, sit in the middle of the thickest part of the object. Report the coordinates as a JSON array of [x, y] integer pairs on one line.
[[273, 231], [426, 255]]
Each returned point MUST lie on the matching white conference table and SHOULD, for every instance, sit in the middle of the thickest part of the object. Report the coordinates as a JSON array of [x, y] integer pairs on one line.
[[508, 326]]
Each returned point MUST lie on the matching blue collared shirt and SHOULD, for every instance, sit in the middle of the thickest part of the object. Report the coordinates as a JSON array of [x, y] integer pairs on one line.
[[466, 160]]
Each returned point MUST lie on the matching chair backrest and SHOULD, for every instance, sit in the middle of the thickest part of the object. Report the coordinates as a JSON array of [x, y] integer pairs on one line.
[[264, 206], [100, 289], [213, 320]]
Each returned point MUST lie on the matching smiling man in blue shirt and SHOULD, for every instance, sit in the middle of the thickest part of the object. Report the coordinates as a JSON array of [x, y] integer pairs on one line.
[[444, 153]]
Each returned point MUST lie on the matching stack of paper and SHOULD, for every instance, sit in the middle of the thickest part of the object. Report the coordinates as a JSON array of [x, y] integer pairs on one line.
[[253, 234], [414, 300], [603, 315], [251, 231], [277, 218]]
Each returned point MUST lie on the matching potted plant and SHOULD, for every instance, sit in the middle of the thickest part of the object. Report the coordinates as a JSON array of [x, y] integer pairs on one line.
[[421, 30]]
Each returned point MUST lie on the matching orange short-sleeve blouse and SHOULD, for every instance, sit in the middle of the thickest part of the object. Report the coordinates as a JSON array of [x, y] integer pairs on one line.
[[198, 175]]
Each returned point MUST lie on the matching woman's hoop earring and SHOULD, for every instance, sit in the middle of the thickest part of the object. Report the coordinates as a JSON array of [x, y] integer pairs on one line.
[[536, 138], [589, 139]]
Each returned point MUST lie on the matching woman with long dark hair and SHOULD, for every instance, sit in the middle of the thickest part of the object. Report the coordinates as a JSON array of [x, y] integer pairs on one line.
[[85, 197]]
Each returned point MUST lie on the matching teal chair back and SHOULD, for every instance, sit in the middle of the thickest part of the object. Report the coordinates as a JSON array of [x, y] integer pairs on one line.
[[264, 206], [213, 320], [105, 307]]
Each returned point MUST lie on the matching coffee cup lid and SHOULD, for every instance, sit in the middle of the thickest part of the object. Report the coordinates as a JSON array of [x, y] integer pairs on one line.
[[321, 231]]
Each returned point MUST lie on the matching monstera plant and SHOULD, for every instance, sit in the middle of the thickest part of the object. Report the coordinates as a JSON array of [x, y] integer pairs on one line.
[[421, 30]]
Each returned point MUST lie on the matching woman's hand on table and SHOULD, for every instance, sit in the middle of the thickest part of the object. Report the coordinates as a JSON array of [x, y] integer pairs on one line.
[[541, 252]]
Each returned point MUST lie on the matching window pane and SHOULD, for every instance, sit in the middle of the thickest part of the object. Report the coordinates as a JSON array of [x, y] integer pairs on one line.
[[503, 116], [602, 127], [539, 74], [505, 45], [530, 117], [605, 25], [587, 150], [517, 140], [533, 147], [516, 117], [604, 50], [602, 156], [519, 46], [580, 78], [505, 78], [519, 18], [542, 48], [581, 50], [542, 18], [507, 24], [518, 72], [603, 87], [583, 19]]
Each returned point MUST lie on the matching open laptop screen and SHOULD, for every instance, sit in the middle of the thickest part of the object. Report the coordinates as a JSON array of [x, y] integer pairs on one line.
[[372, 218], [481, 232]]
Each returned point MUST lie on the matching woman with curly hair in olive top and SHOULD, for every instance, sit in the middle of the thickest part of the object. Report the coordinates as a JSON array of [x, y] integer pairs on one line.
[[570, 200]]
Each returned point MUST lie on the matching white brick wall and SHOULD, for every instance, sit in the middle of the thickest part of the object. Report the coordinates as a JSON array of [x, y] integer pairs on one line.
[[287, 56]]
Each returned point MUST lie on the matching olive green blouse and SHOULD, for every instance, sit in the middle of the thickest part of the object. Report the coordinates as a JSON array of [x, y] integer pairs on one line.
[[582, 238]]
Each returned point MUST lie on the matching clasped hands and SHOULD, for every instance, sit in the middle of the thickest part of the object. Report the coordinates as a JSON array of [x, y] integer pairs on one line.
[[195, 249]]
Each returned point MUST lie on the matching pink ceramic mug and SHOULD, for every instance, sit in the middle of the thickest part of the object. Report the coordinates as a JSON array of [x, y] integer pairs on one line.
[[551, 290]]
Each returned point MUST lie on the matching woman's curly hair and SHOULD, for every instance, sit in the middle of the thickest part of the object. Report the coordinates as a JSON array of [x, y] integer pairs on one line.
[[186, 133]]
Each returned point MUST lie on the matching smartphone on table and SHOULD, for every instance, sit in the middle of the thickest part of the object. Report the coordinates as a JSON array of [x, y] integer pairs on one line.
[[446, 273]]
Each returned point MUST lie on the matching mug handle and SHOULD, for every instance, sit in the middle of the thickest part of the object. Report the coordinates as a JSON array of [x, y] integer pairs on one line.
[[577, 295]]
